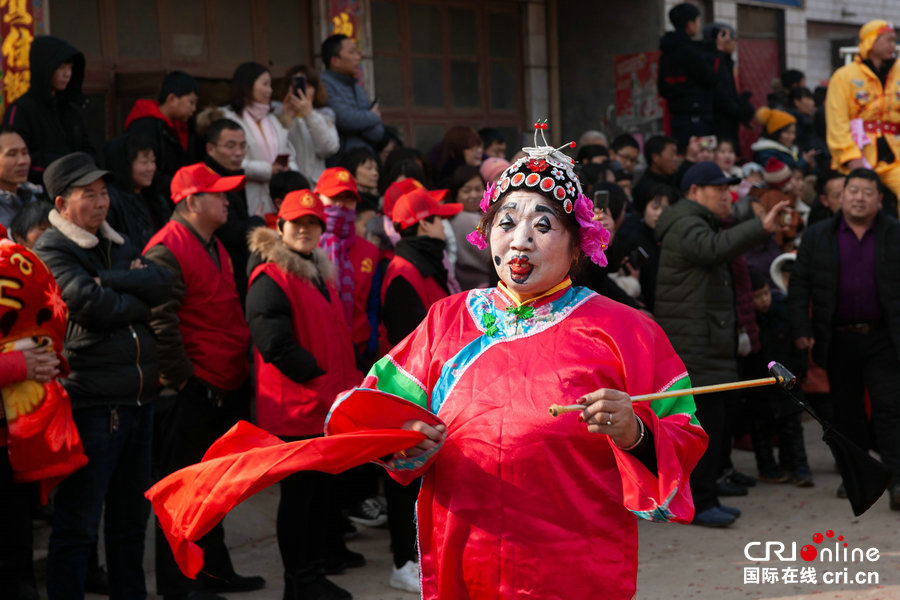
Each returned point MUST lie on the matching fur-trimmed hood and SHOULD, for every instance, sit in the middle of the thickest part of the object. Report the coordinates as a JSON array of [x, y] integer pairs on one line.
[[82, 237], [267, 245]]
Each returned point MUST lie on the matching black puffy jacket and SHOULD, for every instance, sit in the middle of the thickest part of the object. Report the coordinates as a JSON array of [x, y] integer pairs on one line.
[[51, 124], [110, 348], [686, 79], [137, 215], [815, 280]]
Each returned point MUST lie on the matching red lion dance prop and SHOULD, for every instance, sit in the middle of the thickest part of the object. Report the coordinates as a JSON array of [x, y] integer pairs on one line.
[[43, 443]]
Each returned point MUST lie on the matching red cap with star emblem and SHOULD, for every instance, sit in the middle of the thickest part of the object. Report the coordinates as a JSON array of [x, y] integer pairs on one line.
[[418, 204], [336, 180], [398, 188], [200, 179], [300, 203]]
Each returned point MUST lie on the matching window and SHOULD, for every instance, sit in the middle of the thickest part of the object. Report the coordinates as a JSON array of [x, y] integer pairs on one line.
[[438, 64], [130, 44]]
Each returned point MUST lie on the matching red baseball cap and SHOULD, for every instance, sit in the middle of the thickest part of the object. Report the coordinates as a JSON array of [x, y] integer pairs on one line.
[[398, 188], [418, 204], [336, 180], [300, 203], [200, 179]]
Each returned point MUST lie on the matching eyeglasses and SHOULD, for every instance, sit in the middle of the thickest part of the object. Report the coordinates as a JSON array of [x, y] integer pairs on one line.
[[233, 145]]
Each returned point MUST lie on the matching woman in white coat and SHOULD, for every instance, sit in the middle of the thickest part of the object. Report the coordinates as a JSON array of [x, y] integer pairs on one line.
[[309, 121], [268, 149]]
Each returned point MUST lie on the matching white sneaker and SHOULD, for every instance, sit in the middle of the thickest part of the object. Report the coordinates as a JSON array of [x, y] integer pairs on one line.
[[406, 578], [369, 513]]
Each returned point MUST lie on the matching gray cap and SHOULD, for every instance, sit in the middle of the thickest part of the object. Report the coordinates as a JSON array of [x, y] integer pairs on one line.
[[72, 170]]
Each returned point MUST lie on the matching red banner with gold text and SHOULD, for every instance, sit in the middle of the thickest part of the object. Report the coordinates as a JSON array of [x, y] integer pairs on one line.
[[16, 35]]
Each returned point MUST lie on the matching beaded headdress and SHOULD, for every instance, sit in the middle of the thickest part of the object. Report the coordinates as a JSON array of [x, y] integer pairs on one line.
[[547, 171]]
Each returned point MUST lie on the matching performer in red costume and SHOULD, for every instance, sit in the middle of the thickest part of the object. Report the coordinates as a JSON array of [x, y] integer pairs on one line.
[[515, 503]]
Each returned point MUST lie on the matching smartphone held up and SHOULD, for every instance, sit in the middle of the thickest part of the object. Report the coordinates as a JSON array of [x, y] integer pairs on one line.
[[298, 83]]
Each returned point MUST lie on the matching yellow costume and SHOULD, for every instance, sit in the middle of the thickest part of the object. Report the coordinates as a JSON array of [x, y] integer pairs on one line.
[[855, 92]]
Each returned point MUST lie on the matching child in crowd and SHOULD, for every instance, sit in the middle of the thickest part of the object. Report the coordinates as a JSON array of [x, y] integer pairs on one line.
[[773, 413], [30, 223]]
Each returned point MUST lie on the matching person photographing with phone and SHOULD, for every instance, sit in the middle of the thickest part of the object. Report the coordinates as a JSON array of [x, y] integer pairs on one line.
[[695, 305], [636, 239], [268, 149], [309, 121]]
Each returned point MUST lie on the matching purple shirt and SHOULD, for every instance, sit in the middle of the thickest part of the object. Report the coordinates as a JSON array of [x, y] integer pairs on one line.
[[857, 299]]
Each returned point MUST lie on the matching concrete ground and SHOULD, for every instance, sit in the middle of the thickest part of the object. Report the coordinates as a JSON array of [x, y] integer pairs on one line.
[[676, 561]]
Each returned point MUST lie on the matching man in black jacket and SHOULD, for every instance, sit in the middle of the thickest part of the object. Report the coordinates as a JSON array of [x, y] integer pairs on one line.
[[686, 80], [49, 115], [730, 109], [109, 291], [226, 147], [848, 267]]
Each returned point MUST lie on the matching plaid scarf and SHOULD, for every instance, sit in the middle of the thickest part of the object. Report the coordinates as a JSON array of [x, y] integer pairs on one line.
[[339, 237]]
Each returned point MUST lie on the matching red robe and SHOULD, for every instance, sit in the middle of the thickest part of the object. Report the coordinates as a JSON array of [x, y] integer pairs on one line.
[[516, 503]]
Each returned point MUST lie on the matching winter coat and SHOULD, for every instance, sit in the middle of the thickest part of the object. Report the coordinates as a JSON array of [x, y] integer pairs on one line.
[[201, 330], [257, 170], [52, 125], [730, 109], [137, 215], [12, 203], [695, 299], [855, 92], [686, 79], [174, 142], [816, 276], [765, 148], [109, 345], [356, 123], [633, 233], [303, 353], [314, 138]]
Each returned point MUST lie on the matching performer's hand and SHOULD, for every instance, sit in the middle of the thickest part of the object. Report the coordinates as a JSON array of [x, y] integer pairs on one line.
[[41, 365], [610, 412], [434, 435], [856, 163]]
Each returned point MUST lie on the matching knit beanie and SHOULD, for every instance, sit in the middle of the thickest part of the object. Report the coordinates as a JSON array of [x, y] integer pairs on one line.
[[773, 119], [869, 32], [777, 173]]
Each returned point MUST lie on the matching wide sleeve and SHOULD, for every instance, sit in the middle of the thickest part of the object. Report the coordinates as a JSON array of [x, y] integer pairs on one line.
[[837, 115], [406, 372], [678, 439]]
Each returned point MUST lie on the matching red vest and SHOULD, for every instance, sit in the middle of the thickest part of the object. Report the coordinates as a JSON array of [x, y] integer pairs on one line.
[[428, 290], [283, 406], [212, 324], [364, 257]]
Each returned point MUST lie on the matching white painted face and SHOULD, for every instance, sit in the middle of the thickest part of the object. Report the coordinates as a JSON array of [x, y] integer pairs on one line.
[[531, 248]]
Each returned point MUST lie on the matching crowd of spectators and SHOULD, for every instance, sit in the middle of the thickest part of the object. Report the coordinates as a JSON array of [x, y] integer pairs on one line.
[[344, 238]]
